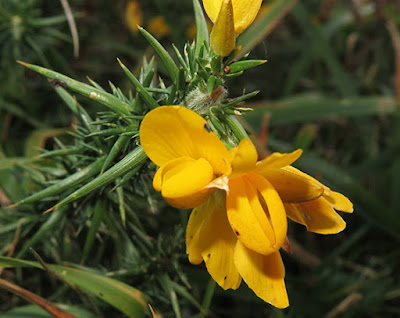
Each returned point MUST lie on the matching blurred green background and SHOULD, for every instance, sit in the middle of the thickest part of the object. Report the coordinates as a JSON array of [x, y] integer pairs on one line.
[[331, 87]]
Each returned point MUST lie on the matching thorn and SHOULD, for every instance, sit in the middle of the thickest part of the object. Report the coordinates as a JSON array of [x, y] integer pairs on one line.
[[51, 209], [22, 63], [11, 206]]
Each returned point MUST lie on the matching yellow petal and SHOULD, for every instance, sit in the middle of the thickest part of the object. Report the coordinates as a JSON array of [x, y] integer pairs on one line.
[[244, 158], [133, 15], [182, 181], [292, 187], [278, 160], [158, 27], [317, 215], [256, 214], [264, 274], [244, 11], [223, 37], [170, 132], [339, 202], [210, 237]]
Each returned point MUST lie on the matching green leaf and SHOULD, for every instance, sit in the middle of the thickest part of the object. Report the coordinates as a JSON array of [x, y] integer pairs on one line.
[[33, 311], [102, 97], [149, 100], [325, 51], [130, 161], [98, 214], [244, 65], [309, 108], [263, 26], [9, 163], [36, 140], [202, 35], [67, 183], [123, 297], [163, 54], [46, 228]]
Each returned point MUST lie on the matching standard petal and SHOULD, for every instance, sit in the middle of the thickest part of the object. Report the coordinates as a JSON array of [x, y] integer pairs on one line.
[[264, 274], [244, 12], [170, 132], [183, 181], [223, 37], [244, 158], [317, 215], [210, 237], [256, 214], [292, 187], [277, 160]]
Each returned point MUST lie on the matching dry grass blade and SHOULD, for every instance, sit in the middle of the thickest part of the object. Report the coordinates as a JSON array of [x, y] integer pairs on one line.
[[344, 305], [72, 26], [33, 298]]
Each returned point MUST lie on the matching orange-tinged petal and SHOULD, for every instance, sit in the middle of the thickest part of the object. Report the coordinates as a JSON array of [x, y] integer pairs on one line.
[[264, 274], [170, 132], [210, 237], [182, 181], [292, 187], [244, 158], [244, 12], [223, 37], [317, 215], [133, 15], [278, 160], [339, 202], [256, 214], [273, 205]]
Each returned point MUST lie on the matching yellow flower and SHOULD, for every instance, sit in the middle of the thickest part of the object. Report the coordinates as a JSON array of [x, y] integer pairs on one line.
[[230, 18], [158, 27], [244, 11], [239, 221], [133, 15]]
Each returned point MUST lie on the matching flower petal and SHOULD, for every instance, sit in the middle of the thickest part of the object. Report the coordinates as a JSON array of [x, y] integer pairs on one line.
[[223, 37], [278, 160], [256, 214], [244, 12], [182, 181], [339, 202], [170, 132], [317, 215], [244, 158], [210, 237], [292, 187], [264, 274]]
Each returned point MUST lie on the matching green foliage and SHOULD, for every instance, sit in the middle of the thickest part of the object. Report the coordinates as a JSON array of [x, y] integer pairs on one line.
[[327, 87]]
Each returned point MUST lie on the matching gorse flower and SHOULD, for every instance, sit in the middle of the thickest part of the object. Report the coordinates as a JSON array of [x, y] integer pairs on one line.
[[239, 221], [230, 17]]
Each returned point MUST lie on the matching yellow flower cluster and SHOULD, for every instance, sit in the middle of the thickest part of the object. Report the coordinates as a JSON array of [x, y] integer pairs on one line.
[[241, 205]]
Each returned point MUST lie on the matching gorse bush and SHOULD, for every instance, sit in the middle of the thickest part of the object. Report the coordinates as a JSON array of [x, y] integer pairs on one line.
[[102, 204]]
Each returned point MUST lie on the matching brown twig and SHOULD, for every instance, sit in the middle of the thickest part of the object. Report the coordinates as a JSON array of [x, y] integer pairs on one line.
[[14, 243], [51, 308], [344, 305]]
